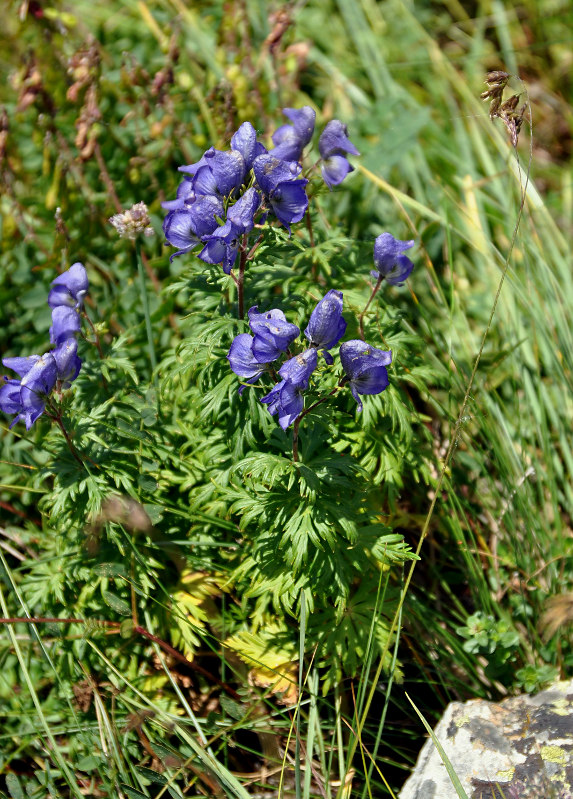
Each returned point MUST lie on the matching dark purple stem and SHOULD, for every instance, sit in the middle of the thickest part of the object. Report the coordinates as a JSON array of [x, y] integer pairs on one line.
[[361, 317]]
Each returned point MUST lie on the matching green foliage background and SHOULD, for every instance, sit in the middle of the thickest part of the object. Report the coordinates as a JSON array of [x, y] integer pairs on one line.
[[236, 612]]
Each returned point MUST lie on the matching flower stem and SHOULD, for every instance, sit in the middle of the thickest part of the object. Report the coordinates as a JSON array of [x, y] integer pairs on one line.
[[145, 303], [56, 418], [361, 317], [310, 408], [97, 343], [241, 277]]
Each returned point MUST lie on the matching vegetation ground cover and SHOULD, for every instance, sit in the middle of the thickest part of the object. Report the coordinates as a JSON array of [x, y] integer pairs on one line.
[[222, 630]]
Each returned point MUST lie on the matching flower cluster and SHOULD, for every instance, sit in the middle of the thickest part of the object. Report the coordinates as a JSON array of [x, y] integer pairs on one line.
[[58, 368], [133, 222], [226, 193], [251, 356]]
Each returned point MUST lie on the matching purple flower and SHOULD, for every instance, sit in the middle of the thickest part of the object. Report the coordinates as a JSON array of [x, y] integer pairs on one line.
[[284, 192], [27, 397], [390, 263], [65, 324], [223, 245], [69, 288], [185, 197], [187, 228], [272, 334], [365, 368], [286, 397], [217, 172], [326, 325], [290, 140], [333, 144], [67, 362], [245, 142], [243, 362]]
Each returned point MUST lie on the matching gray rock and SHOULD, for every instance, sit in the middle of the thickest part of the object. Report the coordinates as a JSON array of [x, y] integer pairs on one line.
[[521, 748]]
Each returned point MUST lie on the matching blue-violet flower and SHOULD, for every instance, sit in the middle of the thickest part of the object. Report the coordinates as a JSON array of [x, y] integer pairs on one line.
[[365, 367], [333, 144], [290, 140], [390, 263], [326, 325]]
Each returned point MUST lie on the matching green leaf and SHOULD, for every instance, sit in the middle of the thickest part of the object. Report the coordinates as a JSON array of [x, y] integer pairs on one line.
[[115, 603], [13, 785], [89, 763], [147, 483]]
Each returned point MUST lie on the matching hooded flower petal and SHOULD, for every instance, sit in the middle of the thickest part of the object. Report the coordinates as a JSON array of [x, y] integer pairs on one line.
[[222, 247], [365, 367], [326, 325], [185, 196], [35, 388], [10, 401], [299, 369], [388, 260], [272, 334], [245, 142], [242, 213], [334, 140], [186, 228], [270, 171], [70, 287], [227, 169], [290, 140], [285, 399], [21, 365]]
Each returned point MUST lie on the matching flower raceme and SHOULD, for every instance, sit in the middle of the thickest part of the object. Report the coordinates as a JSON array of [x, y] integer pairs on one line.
[[209, 208], [39, 375], [251, 356]]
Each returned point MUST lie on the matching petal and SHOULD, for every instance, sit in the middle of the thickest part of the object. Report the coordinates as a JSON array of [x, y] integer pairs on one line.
[[386, 250], [21, 365], [270, 171], [303, 120], [291, 404], [75, 279], [10, 401], [289, 201], [401, 271], [372, 380], [299, 368], [245, 142], [67, 362], [66, 323], [242, 213], [326, 325], [241, 359], [357, 355], [334, 140], [335, 169]]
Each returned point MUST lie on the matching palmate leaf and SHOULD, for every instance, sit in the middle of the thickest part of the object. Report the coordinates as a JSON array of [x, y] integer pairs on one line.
[[342, 644], [271, 655]]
